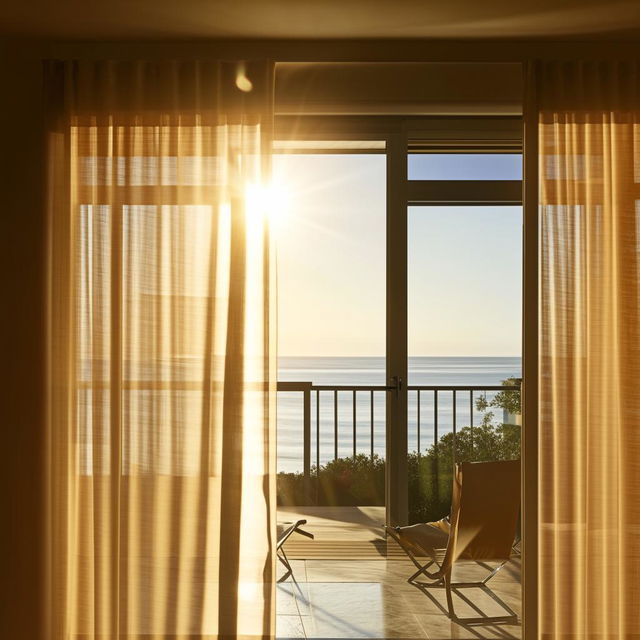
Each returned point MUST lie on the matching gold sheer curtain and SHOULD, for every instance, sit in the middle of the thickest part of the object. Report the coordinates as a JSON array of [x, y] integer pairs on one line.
[[161, 360], [589, 532]]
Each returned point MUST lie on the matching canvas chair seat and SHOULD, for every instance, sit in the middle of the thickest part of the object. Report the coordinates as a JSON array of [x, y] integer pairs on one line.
[[426, 538]]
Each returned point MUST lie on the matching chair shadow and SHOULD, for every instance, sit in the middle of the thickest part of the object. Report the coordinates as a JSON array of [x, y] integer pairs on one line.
[[472, 628]]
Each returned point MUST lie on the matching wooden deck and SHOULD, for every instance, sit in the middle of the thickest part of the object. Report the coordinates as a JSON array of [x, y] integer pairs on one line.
[[340, 532]]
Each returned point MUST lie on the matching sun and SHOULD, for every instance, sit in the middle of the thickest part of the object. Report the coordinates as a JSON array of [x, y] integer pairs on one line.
[[270, 202]]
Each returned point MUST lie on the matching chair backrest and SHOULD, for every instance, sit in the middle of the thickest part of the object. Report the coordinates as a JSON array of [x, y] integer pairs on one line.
[[484, 510]]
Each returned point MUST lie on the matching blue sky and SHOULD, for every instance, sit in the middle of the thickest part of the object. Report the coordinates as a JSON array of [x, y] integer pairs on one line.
[[464, 262]]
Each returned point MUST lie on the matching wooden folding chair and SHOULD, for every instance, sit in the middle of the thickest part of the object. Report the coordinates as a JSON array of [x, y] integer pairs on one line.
[[484, 515], [284, 531]]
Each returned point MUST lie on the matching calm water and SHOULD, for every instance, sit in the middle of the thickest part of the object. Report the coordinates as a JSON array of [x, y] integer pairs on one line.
[[370, 371]]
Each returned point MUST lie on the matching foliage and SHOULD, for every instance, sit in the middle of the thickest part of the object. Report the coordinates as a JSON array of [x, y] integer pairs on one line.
[[508, 400], [431, 475], [342, 482]]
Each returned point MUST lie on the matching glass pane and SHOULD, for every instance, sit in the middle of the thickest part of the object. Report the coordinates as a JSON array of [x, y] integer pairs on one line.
[[464, 330], [331, 300], [464, 166]]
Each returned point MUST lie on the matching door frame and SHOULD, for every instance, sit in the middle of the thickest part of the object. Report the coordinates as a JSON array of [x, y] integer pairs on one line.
[[491, 133], [402, 135]]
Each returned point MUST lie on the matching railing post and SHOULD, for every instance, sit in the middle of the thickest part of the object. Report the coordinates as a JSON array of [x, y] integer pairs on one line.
[[471, 420], [372, 424], [455, 435], [317, 492], [305, 389], [436, 476], [354, 425], [307, 443]]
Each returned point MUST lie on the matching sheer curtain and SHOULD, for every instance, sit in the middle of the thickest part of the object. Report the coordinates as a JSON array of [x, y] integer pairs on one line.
[[589, 124], [161, 360]]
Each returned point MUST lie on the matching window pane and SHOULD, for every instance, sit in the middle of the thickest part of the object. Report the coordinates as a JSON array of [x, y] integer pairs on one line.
[[465, 166], [464, 330], [464, 284], [331, 245]]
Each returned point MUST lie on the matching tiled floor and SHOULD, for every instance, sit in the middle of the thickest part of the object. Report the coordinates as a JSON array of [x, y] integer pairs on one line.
[[350, 583], [371, 599]]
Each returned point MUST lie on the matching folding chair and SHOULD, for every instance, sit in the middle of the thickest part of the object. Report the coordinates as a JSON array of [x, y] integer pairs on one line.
[[482, 528], [284, 531]]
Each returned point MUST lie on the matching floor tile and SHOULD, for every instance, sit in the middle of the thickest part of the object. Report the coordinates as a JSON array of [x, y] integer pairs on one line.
[[357, 570], [289, 627], [285, 600], [299, 571], [357, 610]]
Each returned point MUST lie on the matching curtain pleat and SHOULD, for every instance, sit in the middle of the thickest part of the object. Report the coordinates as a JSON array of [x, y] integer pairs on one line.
[[161, 351], [589, 465]]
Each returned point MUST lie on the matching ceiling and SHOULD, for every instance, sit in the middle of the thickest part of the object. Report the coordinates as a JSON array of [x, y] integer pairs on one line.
[[284, 19]]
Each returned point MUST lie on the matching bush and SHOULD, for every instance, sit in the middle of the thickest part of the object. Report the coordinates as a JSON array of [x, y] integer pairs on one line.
[[431, 475], [343, 482]]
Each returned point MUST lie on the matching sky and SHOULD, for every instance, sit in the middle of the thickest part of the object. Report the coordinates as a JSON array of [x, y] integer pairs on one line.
[[464, 263]]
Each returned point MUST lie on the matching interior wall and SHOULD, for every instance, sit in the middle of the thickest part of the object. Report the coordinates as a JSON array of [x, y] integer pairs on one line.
[[398, 88], [21, 168]]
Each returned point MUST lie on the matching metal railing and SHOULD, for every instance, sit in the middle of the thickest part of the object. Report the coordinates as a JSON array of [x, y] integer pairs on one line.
[[308, 389]]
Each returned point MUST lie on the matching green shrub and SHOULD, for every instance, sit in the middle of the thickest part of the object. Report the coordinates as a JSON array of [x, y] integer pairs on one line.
[[343, 482]]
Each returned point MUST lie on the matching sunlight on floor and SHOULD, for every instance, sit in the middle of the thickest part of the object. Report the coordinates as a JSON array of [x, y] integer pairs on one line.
[[371, 599]]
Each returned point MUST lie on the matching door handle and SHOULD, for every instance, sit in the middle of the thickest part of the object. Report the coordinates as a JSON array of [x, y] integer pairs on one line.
[[396, 384]]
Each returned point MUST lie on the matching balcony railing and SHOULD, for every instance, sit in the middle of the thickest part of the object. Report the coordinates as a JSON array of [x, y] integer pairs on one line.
[[417, 417]]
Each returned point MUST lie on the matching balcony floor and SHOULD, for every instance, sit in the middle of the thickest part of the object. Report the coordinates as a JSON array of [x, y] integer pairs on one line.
[[340, 532], [365, 594]]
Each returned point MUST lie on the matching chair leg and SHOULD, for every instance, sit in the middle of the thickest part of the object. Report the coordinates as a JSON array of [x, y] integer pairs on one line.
[[422, 570], [282, 556], [493, 572], [447, 587]]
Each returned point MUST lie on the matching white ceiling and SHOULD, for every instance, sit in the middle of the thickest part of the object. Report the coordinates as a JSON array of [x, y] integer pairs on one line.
[[450, 19]]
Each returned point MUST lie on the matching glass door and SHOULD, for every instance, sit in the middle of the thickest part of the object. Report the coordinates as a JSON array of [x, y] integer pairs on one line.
[[454, 332], [331, 344], [399, 313], [454, 300], [464, 320]]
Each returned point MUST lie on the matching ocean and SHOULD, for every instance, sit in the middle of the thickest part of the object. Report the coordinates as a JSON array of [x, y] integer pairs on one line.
[[472, 371]]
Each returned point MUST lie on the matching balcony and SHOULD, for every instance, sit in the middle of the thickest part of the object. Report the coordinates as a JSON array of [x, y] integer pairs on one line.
[[350, 581]]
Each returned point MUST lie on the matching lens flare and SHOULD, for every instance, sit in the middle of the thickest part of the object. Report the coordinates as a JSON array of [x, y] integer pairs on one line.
[[242, 81], [270, 202]]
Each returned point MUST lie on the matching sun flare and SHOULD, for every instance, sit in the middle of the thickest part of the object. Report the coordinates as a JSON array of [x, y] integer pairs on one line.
[[271, 201]]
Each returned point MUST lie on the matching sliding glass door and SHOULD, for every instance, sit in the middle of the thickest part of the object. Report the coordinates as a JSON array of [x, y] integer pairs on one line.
[[454, 301], [403, 241], [400, 271], [331, 343]]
